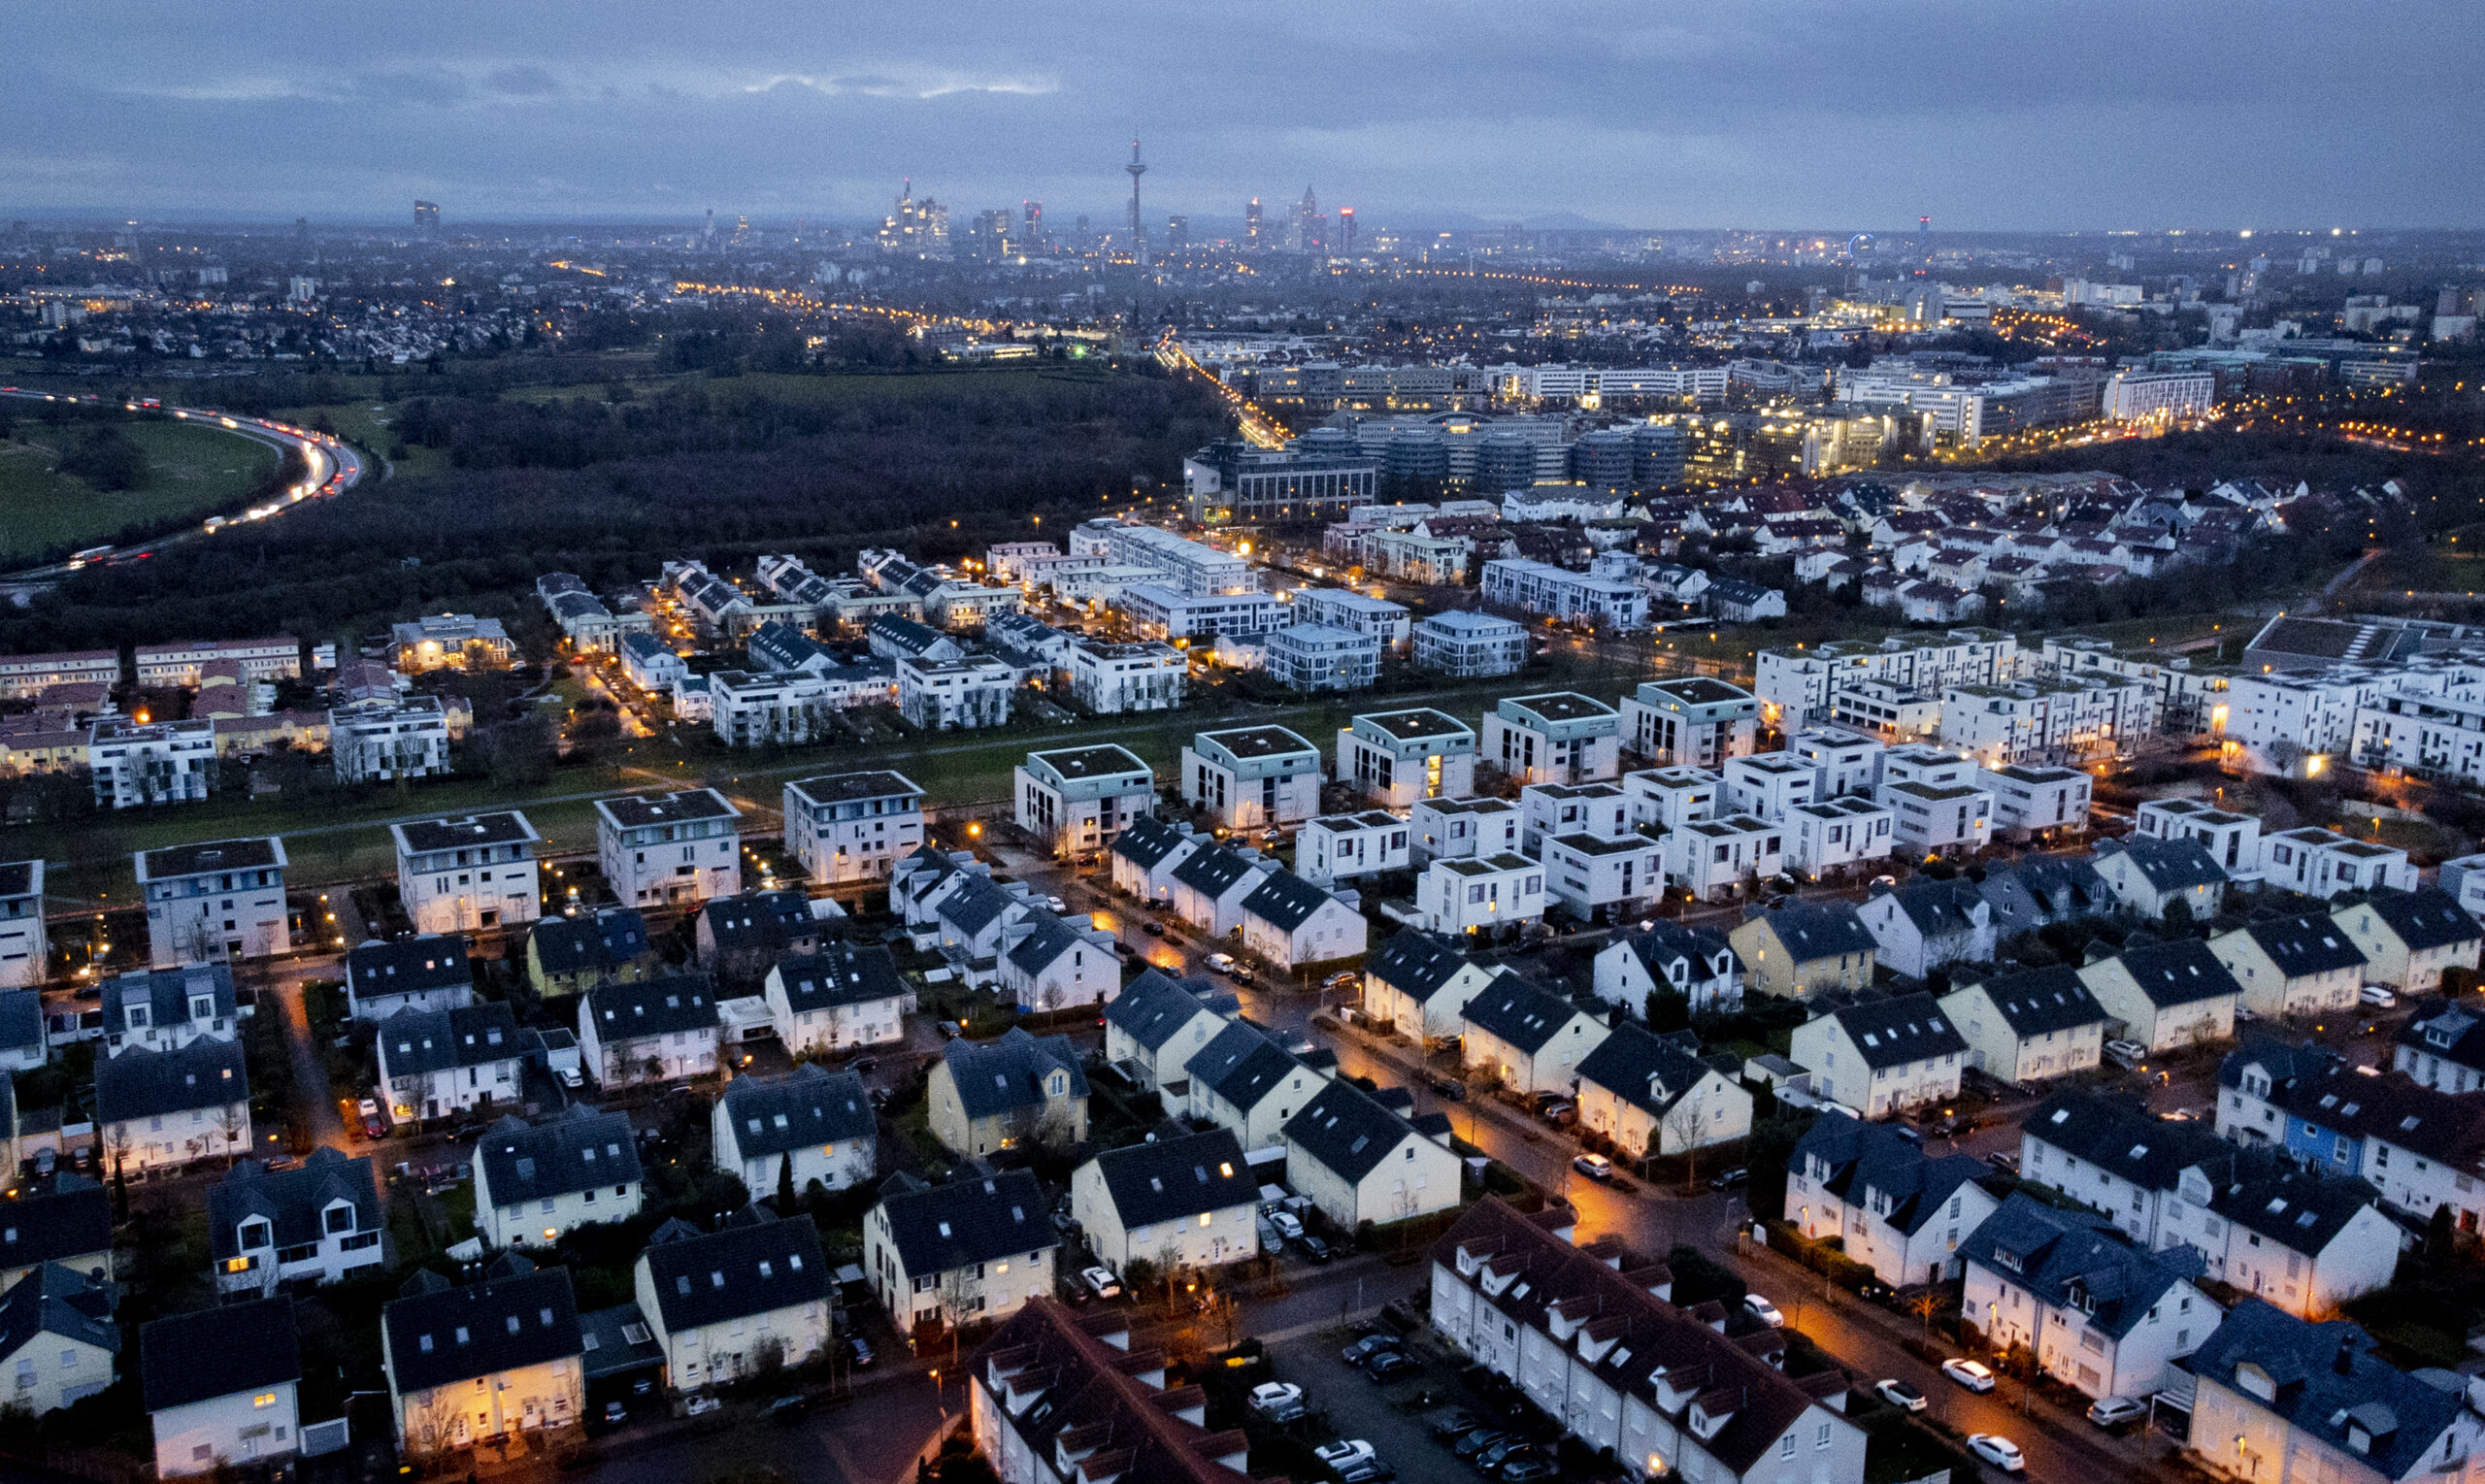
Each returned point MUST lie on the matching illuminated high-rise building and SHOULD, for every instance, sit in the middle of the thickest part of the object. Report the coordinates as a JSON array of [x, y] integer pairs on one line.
[[1346, 231], [1178, 233], [426, 219], [1251, 224]]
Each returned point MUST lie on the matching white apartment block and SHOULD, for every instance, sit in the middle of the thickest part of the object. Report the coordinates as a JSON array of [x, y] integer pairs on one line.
[[1310, 656], [1595, 876], [1076, 800], [2046, 721], [1110, 679], [1825, 839], [2326, 864], [1671, 798], [183, 666], [1560, 736], [1610, 604], [461, 876], [1712, 858], [2137, 396], [25, 949], [2296, 724], [2232, 841], [2436, 735], [1772, 786], [159, 761], [1399, 757], [1570, 809], [24, 677], [1336, 847], [1252, 777], [1931, 796], [1480, 894], [1162, 614], [1691, 721], [2036, 800], [214, 903], [1798, 687], [670, 850], [1457, 828], [852, 826], [384, 740], [1469, 645], [1386, 622], [949, 695], [758, 710], [1189, 567]]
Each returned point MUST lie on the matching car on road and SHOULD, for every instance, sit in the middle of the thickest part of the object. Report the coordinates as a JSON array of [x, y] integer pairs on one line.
[[1152, 928], [788, 1409], [1392, 1366], [1312, 1247], [1765, 1312], [1343, 1452], [1730, 1179], [1971, 1375], [1596, 1167], [1288, 1225], [697, 1404], [2125, 1054], [1478, 1440], [2004, 1160], [1527, 1470], [1561, 1112], [1998, 1451], [1899, 1394], [1344, 979], [1456, 1424], [1276, 1400], [1223, 963], [1367, 1347], [2114, 1411], [1448, 1091], [2378, 995], [1101, 1282]]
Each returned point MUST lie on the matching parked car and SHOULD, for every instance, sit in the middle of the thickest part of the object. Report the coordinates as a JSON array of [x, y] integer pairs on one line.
[[1152, 928], [788, 1409], [2378, 995], [1312, 1247], [1392, 1366], [1367, 1347], [1101, 1282], [1730, 1179], [616, 1414], [1527, 1470], [1343, 1452], [569, 1077], [1456, 1424], [1971, 1375], [1223, 963], [1998, 1451], [1901, 1395], [858, 1352], [2004, 1160], [1288, 1225], [1369, 1470], [1508, 1451], [1448, 1091], [1276, 1400], [373, 1125], [2114, 1411], [699, 1405], [1765, 1312], [1596, 1167], [2125, 1054], [1477, 1441], [1561, 1112]]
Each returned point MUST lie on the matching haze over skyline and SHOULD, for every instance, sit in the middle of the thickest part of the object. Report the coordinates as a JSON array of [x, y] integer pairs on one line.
[[2097, 115]]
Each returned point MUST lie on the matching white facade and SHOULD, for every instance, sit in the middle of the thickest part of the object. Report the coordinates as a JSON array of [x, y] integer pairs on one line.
[[1454, 829], [1711, 858], [1309, 656], [2326, 864], [2232, 841], [1592, 875], [383, 741], [1110, 680], [214, 903], [950, 695], [1252, 777], [1671, 798], [1771, 786], [1079, 798], [1846, 832], [1483, 894], [460, 875], [1469, 645], [1336, 847], [2133, 396], [25, 949], [2037, 800], [670, 850], [852, 826], [1399, 757], [1608, 603], [162, 762]]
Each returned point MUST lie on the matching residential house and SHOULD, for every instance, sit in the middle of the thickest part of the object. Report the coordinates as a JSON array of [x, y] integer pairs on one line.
[[2441, 1046], [658, 1030], [1484, 895], [319, 1221], [1831, 838], [162, 1109], [2149, 877], [736, 1302], [2099, 1313], [162, 1009], [1337, 847], [2292, 966], [2410, 939], [458, 876], [845, 995], [67, 1220], [57, 1340], [1059, 1397], [439, 1063], [2326, 864], [1155, 1025], [976, 1248], [494, 1358], [572, 955], [2420, 1147], [1926, 924], [2044, 889], [1796, 948], [215, 902], [739, 937], [2307, 1240], [1570, 809], [1717, 858], [1187, 1203], [430, 972], [1767, 786], [2166, 995], [1396, 758], [1893, 1207], [1690, 721], [2113, 1154], [1528, 1040], [1056, 964], [1650, 1097], [1605, 879], [1698, 963], [989, 1096], [1880, 1055], [25, 1040], [2274, 1393], [1209, 888], [808, 1125], [1457, 828], [1147, 854], [1357, 1161], [220, 1387], [1076, 800], [534, 1181], [1558, 738], [1252, 777], [669, 850], [2232, 841], [1293, 925], [1419, 985], [852, 826], [1243, 1081], [2029, 801], [25, 950], [2028, 1026]]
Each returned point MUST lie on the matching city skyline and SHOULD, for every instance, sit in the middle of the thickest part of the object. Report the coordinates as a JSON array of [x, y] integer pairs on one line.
[[2096, 116]]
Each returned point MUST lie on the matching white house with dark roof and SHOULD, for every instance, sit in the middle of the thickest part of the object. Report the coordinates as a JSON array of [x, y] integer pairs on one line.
[[2232, 840], [430, 972], [1651, 1096], [319, 1222], [534, 1181], [2167, 994], [214, 902], [458, 876], [1896, 1209], [740, 1301], [1251, 777], [2411, 938], [2292, 966], [657, 1030], [1337, 847], [1057, 963], [843, 996], [1881, 1055], [2100, 1313], [988, 1096], [58, 1338], [490, 1359], [2028, 1026], [1076, 800], [815, 1122], [1926, 924], [2274, 1392], [2148, 875], [1357, 1161], [1147, 854], [1243, 1081], [1293, 925], [163, 1009], [2042, 889], [976, 1248], [1419, 985], [1209, 886], [2301, 1239], [852, 826], [2114, 1155], [2441, 1046], [1177, 1203], [1157, 1022], [438, 1064], [1530, 1039], [25, 1039], [670, 850], [220, 1386], [1697, 963], [162, 1109]]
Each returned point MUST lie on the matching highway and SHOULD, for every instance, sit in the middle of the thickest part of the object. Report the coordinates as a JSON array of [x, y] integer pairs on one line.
[[334, 467]]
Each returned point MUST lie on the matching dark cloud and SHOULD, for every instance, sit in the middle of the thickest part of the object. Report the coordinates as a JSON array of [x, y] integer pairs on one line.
[[1760, 113]]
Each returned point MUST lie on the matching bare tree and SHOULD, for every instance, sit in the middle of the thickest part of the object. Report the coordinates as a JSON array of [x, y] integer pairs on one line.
[[1681, 1126]]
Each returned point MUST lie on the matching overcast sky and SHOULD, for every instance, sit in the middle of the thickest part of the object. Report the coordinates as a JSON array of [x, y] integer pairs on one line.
[[1818, 114]]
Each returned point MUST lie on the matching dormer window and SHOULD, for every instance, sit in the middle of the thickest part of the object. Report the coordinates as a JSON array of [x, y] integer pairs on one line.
[[338, 1219], [256, 1234]]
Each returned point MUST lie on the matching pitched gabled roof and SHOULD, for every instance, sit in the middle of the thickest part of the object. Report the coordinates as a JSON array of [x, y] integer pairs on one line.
[[145, 1083], [1898, 1030], [976, 906], [839, 973], [2303, 1210], [1212, 872], [577, 1149], [2041, 1001], [1044, 945], [166, 993], [1285, 901], [1646, 1070], [1147, 841], [1002, 1076], [758, 921], [501, 1323], [74, 1219], [981, 1218], [1869, 1158], [414, 1041], [1175, 1178], [1416, 964], [2440, 1029], [806, 1107], [1346, 1131], [52, 1300], [1813, 932], [2425, 918], [2122, 1137], [2166, 865], [2311, 943], [754, 1265], [2181, 970], [2330, 1385], [1154, 1008], [1241, 1063], [2076, 1261], [657, 1006], [409, 965], [1520, 1015], [1938, 908], [292, 1202], [607, 939], [1703, 952], [218, 1352], [1091, 1399]]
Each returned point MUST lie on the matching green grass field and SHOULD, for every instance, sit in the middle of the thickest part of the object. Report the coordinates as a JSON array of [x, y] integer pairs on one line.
[[191, 469]]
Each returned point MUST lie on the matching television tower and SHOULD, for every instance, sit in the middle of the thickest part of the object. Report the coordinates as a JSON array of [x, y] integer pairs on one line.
[[1138, 232]]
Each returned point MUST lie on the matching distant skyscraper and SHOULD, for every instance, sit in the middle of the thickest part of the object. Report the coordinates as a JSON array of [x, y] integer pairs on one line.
[[1137, 228], [708, 234], [1346, 231], [1178, 233], [426, 219], [1083, 239], [1252, 225], [1032, 212], [302, 229], [1301, 238]]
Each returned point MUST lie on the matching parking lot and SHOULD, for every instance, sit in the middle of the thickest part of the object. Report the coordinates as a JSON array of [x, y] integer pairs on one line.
[[1398, 1417]]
